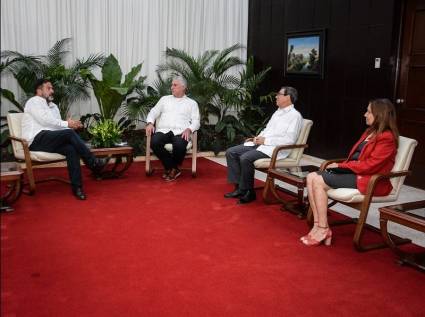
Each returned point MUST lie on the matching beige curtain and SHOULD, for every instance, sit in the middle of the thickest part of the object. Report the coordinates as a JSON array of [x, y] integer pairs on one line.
[[133, 30]]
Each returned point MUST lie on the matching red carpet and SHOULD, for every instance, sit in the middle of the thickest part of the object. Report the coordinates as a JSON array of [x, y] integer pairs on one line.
[[142, 247]]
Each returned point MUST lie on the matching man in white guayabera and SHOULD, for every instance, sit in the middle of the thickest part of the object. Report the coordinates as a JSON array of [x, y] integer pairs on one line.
[[282, 129], [45, 131], [172, 120]]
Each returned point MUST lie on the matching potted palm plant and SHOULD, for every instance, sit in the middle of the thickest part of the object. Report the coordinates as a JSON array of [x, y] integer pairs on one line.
[[69, 83]]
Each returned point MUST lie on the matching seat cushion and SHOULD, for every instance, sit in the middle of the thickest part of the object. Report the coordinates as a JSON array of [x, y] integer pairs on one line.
[[39, 156], [352, 195], [265, 163], [169, 146], [348, 195]]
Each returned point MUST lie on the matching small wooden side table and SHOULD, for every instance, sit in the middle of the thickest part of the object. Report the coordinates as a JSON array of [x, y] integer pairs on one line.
[[403, 214], [11, 176], [118, 153], [296, 176]]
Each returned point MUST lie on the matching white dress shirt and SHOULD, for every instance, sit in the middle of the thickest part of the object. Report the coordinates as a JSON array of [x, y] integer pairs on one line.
[[40, 115], [283, 128], [175, 114]]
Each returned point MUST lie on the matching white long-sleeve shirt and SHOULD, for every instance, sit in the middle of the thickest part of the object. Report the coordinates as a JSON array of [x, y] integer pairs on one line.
[[175, 114], [283, 128], [40, 115]]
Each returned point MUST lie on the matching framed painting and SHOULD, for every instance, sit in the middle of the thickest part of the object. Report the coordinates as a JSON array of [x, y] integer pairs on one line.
[[305, 54]]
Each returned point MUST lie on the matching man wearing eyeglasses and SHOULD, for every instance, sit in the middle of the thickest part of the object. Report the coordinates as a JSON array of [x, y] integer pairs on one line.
[[283, 128]]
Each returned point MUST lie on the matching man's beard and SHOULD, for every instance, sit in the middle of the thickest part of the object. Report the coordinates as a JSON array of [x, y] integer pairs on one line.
[[49, 98]]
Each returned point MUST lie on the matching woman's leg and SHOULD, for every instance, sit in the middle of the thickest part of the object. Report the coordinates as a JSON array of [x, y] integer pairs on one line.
[[320, 198], [310, 178]]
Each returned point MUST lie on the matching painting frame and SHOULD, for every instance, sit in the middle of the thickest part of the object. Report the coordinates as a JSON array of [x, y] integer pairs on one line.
[[300, 60]]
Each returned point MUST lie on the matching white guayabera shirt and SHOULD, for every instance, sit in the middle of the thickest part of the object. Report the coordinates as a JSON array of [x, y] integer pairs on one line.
[[40, 115], [175, 114], [283, 128]]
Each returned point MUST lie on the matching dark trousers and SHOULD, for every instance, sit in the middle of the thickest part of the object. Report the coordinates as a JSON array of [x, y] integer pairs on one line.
[[240, 165], [169, 160], [68, 143]]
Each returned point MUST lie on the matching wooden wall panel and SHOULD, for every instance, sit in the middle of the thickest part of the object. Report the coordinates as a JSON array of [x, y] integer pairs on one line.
[[357, 31]]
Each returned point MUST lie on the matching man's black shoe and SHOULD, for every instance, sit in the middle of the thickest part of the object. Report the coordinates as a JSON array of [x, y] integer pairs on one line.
[[99, 164], [234, 194], [78, 192], [247, 197]]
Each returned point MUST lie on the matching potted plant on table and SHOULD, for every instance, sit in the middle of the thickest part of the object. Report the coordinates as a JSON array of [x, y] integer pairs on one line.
[[105, 133]]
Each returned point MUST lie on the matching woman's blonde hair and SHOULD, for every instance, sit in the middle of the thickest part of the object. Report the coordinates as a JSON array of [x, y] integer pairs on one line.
[[384, 117]]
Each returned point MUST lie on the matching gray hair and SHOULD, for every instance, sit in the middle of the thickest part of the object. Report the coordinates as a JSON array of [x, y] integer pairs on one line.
[[181, 80], [291, 92]]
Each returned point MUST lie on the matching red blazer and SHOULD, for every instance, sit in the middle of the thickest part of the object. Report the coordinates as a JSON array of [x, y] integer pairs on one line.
[[376, 157]]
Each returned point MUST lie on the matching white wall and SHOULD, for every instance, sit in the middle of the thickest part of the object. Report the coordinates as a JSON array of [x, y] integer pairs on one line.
[[133, 30]]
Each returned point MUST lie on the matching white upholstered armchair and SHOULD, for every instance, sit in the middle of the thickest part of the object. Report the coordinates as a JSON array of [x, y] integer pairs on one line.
[[192, 149], [353, 198], [30, 158]]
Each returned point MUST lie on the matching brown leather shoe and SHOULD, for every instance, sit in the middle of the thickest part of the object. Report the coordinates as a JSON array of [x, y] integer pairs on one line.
[[166, 173], [174, 173]]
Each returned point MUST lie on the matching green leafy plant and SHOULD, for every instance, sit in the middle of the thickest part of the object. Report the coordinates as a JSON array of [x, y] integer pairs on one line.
[[105, 133], [69, 84], [230, 126], [7, 94], [137, 107], [208, 75], [110, 93]]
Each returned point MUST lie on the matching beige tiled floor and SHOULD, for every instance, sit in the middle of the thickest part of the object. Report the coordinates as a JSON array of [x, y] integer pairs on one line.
[[407, 193]]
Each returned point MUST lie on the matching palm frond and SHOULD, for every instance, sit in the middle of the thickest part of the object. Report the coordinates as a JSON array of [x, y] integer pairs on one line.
[[56, 53], [176, 56], [16, 62], [94, 60]]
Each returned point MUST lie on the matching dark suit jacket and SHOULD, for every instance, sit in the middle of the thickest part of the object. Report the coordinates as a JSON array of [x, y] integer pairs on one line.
[[377, 156]]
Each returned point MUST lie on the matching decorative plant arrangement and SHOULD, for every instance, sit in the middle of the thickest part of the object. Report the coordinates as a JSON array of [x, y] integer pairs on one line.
[[105, 133]]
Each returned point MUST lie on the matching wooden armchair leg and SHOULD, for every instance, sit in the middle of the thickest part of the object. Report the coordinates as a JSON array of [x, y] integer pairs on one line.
[[31, 180], [358, 234], [148, 166], [194, 164], [361, 247], [269, 194]]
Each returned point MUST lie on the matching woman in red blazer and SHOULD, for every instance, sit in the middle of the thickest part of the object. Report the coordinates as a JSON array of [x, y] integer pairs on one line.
[[374, 153]]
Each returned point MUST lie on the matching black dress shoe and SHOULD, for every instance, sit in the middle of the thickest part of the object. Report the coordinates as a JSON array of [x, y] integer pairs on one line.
[[234, 194], [78, 192], [247, 197], [99, 164]]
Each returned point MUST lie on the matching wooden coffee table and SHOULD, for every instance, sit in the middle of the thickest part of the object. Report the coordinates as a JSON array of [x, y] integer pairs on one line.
[[123, 158], [295, 176], [11, 176], [411, 215]]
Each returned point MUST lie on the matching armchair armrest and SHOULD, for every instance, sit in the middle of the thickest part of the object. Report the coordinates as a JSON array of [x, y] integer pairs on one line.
[[326, 163], [377, 177], [283, 147], [20, 140], [25, 146]]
